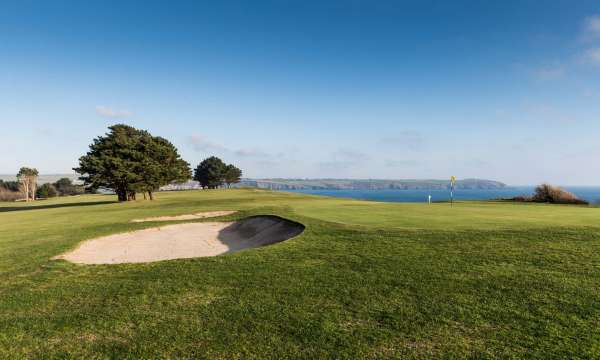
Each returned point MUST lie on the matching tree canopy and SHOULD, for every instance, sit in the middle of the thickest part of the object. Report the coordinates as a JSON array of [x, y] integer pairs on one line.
[[46, 191], [213, 172], [232, 175], [128, 160], [10, 185], [64, 186]]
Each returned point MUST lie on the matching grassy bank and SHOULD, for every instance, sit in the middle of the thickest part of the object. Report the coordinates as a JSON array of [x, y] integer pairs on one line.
[[365, 279]]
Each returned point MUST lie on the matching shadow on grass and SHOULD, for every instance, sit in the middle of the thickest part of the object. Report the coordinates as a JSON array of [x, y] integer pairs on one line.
[[54, 206]]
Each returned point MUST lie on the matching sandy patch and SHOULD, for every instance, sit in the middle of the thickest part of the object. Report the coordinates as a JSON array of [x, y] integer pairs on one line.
[[184, 241], [200, 215]]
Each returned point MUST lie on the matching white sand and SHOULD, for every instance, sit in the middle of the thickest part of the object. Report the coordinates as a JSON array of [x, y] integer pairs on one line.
[[184, 241], [200, 215]]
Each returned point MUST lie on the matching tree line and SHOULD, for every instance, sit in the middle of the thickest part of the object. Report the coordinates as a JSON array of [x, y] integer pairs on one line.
[[128, 161], [26, 187], [62, 187]]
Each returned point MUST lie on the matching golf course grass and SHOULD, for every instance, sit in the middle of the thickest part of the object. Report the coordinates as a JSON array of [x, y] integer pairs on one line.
[[364, 280]]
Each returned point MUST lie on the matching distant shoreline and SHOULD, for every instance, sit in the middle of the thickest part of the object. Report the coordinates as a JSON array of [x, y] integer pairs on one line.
[[588, 193], [332, 184]]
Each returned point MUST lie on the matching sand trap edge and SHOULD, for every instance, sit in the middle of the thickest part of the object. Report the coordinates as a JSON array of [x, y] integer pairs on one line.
[[194, 216]]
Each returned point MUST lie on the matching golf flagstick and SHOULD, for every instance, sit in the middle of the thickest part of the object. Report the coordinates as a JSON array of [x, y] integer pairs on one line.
[[452, 181]]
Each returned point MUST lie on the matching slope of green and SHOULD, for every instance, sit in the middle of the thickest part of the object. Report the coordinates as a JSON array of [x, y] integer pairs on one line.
[[365, 280]]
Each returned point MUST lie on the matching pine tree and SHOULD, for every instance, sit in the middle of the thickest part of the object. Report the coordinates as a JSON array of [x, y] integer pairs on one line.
[[210, 172], [127, 160], [232, 175]]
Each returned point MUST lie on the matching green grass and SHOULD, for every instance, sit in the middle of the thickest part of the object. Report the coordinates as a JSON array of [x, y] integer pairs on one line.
[[365, 280]]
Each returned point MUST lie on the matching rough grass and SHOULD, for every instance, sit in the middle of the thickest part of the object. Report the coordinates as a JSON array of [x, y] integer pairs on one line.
[[365, 280]]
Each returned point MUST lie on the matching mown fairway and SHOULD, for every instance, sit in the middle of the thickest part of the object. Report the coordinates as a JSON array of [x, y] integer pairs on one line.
[[365, 280]]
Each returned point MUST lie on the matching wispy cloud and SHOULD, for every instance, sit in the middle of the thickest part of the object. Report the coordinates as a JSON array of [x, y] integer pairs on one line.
[[250, 153], [587, 54], [408, 139], [348, 154], [200, 143], [109, 112], [550, 115], [344, 158], [268, 164], [549, 72], [592, 56], [477, 163], [391, 163], [591, 28], [591, 34]]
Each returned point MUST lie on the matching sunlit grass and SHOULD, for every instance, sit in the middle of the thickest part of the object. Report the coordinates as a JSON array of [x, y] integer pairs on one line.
[[365, 279]]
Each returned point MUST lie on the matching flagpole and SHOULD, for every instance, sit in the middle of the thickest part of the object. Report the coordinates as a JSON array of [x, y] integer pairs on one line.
[[452, 181]]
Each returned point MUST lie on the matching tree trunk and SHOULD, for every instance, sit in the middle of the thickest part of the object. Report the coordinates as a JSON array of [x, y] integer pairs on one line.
[[121, 194], [25, 190], [33, 187], [150, 194], [144, 195]]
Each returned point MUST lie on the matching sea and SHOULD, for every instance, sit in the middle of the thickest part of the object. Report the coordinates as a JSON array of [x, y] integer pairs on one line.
[[588, 193]]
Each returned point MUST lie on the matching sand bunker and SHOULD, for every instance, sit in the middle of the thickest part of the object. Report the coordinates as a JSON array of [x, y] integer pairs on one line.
[[184, 241], [200, 215]]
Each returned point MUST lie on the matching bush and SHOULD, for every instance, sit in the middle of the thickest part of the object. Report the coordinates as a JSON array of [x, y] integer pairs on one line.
[[521, 198], [10, 185], [65, 187], [553, 194], [9, 195], [46, 191]]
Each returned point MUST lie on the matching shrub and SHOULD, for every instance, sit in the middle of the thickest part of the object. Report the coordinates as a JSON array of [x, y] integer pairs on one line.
[[66, 187], [46, 191], [520, 198], [553, 194], [10, 185], [9, 195]]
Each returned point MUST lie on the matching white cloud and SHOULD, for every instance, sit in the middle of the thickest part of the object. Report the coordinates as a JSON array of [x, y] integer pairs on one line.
[[549, 72], [200, 143], [343, 159], [109, 112], [591, 28], [250, 153], [592, 56], [346, 154], [408, 139]]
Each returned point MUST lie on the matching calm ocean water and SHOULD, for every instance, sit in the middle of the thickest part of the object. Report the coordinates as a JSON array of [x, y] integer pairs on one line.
[[589, 193]]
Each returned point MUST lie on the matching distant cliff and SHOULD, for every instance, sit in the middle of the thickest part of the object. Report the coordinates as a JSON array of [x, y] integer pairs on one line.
[[320, 184], [352, 184]]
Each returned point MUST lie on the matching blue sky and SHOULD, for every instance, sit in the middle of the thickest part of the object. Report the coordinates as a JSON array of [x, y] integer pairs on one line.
[[361, 89]]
